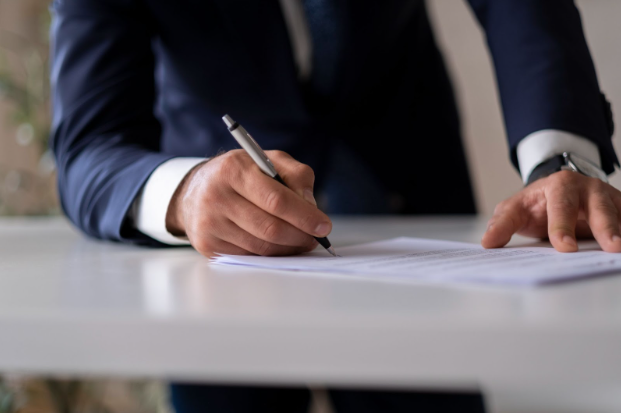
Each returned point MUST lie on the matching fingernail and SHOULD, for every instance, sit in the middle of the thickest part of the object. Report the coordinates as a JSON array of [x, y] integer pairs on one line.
[[308, 196], [489, 226], [616, 238], [322, 229], [569, 241]]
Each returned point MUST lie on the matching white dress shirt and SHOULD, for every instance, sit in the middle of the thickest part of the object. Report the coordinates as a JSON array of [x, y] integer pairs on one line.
[[151, 205]]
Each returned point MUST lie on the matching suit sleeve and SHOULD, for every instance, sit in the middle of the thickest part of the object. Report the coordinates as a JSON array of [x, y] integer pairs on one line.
[[105, 137], [545, 74]]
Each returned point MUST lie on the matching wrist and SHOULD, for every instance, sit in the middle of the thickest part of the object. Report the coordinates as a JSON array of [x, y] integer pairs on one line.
[[566, 161], [175, 222]]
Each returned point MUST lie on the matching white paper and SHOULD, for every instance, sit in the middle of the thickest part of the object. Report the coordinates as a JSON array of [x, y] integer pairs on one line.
[[434, 260]]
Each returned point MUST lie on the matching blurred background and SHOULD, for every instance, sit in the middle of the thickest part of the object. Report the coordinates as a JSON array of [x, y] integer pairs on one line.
[[26, 169], [27, 172]]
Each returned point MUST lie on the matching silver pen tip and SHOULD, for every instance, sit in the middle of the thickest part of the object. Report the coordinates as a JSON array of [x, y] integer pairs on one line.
[[331, 251], [228, 120]]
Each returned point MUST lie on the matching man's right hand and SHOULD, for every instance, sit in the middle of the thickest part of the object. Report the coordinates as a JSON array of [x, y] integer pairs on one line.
[[227, 205]]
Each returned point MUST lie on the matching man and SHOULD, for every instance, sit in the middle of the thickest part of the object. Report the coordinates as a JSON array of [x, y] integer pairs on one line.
[[356, 90]]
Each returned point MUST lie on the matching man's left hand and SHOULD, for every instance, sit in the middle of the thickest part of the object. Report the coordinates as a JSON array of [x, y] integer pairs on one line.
[[562, 207]]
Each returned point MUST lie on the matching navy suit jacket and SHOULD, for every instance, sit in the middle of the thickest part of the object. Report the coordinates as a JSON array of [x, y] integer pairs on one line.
[[137, 82]]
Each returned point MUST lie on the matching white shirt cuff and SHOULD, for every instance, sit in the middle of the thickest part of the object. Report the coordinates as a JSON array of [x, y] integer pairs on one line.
[[151, 204], [544, 144]]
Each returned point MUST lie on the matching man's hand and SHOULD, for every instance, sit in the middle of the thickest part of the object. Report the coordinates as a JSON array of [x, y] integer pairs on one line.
[[562, 206], [227, 205]]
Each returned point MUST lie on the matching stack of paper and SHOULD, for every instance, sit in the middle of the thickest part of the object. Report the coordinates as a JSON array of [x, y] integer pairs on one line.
[[433, 260]]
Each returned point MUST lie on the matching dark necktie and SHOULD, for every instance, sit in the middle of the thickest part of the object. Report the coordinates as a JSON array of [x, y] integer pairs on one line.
[[326, 25]]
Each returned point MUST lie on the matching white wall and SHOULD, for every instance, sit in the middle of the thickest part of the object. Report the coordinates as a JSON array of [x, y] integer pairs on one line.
[[469, 62]]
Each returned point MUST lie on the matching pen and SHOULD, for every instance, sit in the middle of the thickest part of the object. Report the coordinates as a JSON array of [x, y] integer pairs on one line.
[[260, 158]]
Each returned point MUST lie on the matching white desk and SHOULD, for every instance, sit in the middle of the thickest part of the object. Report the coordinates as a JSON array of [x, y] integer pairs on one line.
[[76, 306]]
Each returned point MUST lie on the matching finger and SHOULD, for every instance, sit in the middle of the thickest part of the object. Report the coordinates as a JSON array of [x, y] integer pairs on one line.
[[603, 218], [228, 231], [563, 206], [509, 218], [299, 177], [210, 246], [280, 201], [616, 200], [264, 226]]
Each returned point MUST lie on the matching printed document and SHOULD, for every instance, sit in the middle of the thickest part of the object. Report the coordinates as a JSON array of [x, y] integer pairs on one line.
[[434, 260]]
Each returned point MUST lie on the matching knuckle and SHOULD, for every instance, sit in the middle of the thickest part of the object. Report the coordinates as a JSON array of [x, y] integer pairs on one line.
[[229, 164], [210, 196], [236, 153], [209, 222], [306, 171], [275, 203], [271, 230], [565, 203], [605, 207], [564, 177], [232, 166], [307, 221], [562, 227]]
